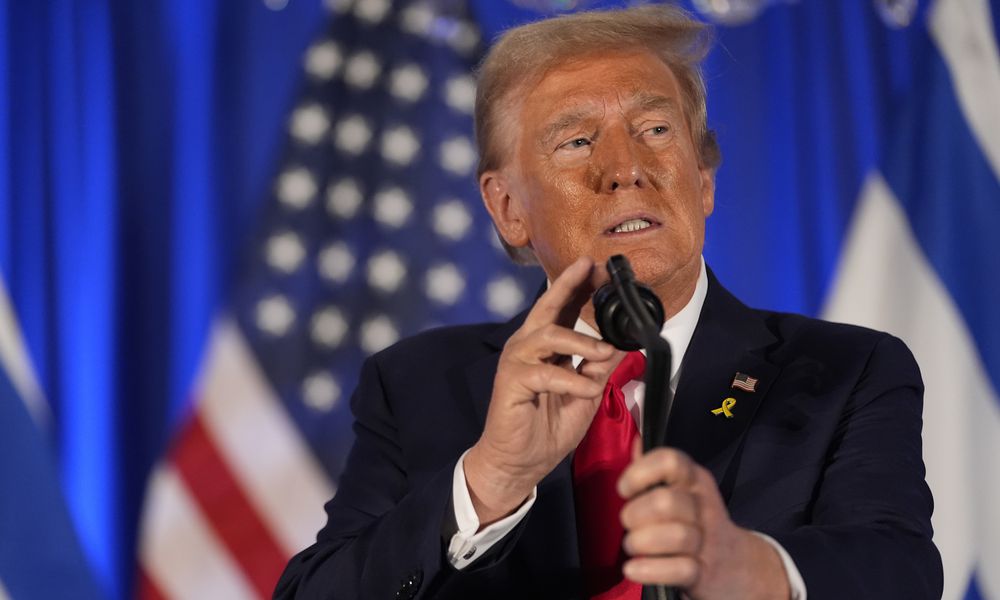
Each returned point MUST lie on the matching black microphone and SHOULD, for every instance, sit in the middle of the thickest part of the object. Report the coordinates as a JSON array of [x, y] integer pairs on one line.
[[630, 316], [616, 302]]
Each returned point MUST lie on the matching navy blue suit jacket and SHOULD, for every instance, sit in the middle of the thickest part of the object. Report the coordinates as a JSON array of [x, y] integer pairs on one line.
[[825, 456]]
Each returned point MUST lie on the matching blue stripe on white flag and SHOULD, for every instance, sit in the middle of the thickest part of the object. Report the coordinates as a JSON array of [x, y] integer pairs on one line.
[[40, 557], [974, 593]]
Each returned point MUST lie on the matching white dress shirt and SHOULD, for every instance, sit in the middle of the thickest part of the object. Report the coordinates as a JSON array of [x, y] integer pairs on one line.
[[468, 543]]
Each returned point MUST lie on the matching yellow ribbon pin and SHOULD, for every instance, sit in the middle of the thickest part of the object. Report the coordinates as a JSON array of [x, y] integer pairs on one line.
[[727, 404]]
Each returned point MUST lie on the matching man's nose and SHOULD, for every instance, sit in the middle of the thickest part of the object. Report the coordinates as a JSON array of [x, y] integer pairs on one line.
[[621, 166]]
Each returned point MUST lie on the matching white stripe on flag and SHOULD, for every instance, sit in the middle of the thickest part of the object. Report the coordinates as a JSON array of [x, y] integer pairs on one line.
[[963, 32], [277, 471], [884, 281], [16, 362], [178, 550]]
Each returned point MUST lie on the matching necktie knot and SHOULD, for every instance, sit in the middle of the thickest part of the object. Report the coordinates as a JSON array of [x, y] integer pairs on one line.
[[631, 367]]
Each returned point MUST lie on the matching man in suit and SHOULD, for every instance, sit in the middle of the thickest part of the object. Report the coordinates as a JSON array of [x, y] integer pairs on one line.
[[795, 461]]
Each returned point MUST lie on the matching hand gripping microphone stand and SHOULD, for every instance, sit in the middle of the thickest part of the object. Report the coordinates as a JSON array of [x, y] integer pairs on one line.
[[630, 317]]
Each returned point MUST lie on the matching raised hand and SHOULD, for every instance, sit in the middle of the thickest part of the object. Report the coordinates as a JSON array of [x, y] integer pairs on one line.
[[541, 406]]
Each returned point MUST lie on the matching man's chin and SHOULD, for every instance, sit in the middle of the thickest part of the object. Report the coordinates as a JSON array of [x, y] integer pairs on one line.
[[649, 265], [664, 274]]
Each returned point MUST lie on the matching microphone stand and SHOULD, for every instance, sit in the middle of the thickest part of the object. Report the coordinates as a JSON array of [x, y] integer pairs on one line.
[[656, 407], [659, 398]]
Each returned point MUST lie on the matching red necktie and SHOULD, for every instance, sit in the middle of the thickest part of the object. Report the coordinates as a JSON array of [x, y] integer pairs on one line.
[[599, 460]]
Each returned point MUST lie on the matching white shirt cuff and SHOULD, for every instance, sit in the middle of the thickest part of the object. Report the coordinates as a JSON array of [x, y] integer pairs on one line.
[[467, 545], [795, 581]]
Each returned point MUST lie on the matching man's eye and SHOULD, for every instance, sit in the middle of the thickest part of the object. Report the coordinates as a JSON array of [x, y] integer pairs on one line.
[[576, 143], [658, 130]]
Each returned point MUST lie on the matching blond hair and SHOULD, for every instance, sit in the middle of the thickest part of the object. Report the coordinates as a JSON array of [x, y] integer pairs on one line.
[[522, 56]]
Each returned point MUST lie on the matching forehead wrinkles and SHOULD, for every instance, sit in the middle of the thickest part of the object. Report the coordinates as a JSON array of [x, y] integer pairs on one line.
[[512, 106]]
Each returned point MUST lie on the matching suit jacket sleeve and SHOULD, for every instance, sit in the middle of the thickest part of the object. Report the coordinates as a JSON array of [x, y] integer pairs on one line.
[[383, 537], [870, 533]]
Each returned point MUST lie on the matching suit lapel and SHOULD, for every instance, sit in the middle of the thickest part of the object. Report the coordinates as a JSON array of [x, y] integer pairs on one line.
[[729, 339]]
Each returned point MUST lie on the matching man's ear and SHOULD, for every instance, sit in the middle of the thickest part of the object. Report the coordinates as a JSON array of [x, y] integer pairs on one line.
[[707, 190], [505, 211]]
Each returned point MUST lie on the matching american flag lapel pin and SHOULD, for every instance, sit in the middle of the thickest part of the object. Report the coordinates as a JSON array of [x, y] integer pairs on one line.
[[744, 382]]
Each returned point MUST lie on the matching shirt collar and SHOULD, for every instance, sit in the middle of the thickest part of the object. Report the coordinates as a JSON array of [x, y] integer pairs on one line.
[[678, 330]]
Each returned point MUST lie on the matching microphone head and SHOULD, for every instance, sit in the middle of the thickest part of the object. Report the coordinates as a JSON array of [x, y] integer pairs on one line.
[[612, 318]]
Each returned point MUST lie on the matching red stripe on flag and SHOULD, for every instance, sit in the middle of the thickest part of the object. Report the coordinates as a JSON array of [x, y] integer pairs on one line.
[[146, 589], [225, 506]]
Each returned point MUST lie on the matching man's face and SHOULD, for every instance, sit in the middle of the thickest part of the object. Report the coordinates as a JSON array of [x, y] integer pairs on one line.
[[604, 163]]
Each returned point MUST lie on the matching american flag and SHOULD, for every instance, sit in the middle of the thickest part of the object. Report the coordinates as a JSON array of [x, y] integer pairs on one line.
[[744, 382], [373, 231]]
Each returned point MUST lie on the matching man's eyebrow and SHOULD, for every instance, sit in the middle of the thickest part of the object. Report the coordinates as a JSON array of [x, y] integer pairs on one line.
[[562, 122], [655, 102]]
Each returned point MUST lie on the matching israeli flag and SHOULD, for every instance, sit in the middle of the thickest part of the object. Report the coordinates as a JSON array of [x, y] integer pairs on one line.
[[921, 260]]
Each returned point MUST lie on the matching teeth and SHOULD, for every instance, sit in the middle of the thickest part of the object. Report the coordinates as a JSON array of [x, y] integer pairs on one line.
[[632, 225]]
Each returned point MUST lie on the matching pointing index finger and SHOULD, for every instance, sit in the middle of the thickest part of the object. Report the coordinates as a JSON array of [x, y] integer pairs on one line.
[[561, 303]]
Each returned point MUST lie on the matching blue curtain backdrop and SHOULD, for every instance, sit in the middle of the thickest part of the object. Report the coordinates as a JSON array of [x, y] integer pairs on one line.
[[137, 140]]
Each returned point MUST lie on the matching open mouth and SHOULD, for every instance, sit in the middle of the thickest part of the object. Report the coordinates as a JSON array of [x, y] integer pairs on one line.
[[631, 226]]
